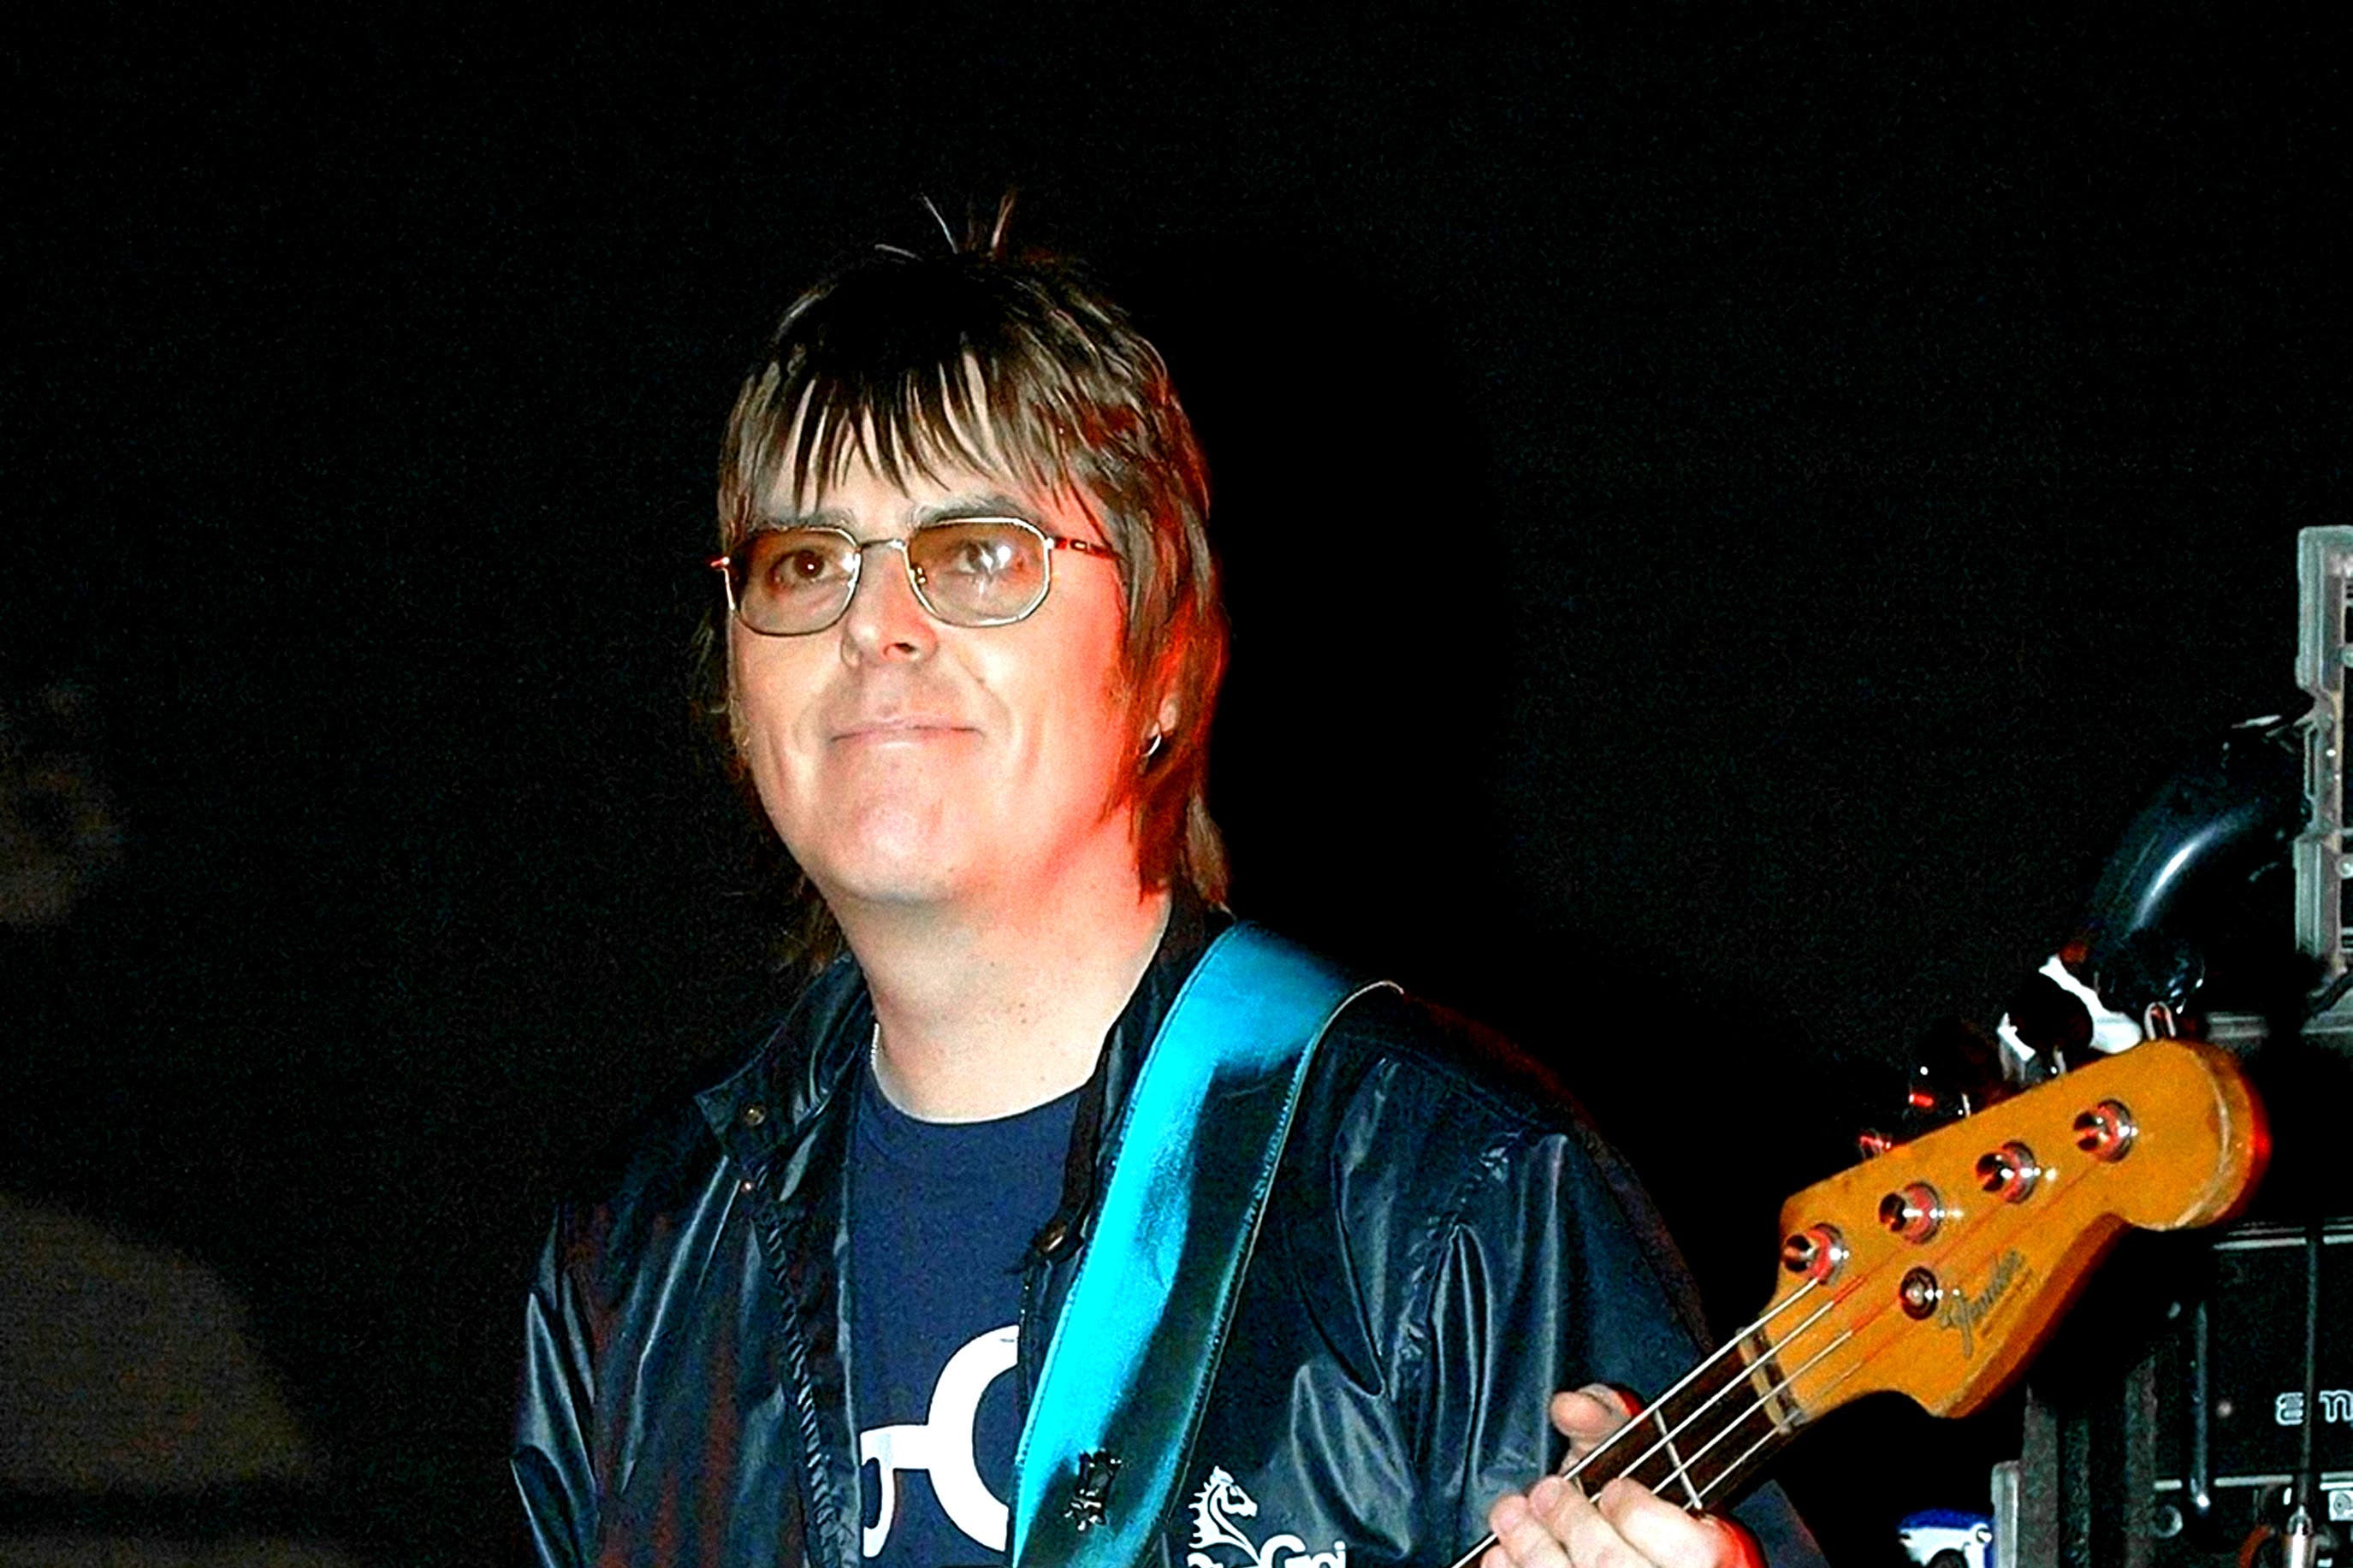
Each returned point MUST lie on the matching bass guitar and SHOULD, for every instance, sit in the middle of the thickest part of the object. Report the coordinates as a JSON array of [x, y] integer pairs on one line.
[[1935, 1269]]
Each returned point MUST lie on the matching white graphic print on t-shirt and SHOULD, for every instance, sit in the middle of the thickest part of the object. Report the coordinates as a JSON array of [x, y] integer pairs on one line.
[[942, 1446]]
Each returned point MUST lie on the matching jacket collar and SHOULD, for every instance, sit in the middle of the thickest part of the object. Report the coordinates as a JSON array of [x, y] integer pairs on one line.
[[804, 1061], [1191, 926]]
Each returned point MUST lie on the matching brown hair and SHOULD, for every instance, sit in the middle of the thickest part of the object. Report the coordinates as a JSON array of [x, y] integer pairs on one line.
[[1015, 365]]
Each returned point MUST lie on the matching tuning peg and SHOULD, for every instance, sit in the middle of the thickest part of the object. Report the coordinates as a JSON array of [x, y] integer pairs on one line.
[[2010, 1172], [1956, 1072], [1919, 1292], [1914, 1212], [1818, 1252], [2105, 1131]]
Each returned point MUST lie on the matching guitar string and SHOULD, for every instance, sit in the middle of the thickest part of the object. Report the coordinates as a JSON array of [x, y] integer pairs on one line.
[[1748, 1453], [1772, 1349], [1869, 1320], [1682, 1470], [1569, 1471], [1684, 1466], [1952, 1257], [1632, 1430], [1471, 1557]]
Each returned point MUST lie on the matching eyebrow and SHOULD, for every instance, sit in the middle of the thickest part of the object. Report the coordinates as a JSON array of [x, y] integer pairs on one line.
[[987, 503], [991, 503]]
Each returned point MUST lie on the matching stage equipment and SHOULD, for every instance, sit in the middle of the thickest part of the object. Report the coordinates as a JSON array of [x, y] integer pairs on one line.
[[2208, 1418], [1934, 1269]]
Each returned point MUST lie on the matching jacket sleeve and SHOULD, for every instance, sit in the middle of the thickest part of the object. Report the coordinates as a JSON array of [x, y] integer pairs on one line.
[[1554, 1272], [555, 1406]]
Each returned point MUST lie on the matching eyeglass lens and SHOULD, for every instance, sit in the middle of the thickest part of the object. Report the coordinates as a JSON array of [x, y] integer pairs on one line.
[[973, 573]]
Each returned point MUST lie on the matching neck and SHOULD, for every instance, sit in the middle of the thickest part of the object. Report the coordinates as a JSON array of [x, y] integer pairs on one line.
[[1707, 1434], [988, 1008]]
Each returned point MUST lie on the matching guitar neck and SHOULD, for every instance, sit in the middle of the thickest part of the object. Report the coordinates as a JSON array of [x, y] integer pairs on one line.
[[1702, 1441], [1935, 1269]]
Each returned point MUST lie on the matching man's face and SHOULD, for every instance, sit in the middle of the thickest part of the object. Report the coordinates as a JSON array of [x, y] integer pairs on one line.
[[906, 762]]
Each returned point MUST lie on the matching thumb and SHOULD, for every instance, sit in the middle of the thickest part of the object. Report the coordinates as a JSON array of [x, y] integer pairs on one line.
[[1586, 1416]]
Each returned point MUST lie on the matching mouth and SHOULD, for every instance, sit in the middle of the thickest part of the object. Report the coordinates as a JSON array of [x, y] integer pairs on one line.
[[905, 728]]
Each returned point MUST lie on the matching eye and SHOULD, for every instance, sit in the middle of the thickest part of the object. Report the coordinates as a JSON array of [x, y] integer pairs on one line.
[[799, 566], [798, 560], [978, 557], [979, 571], [972, 552]]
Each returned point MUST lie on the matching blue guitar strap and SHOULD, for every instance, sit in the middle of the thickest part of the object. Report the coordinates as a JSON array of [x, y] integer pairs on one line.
[[1118, 1399]]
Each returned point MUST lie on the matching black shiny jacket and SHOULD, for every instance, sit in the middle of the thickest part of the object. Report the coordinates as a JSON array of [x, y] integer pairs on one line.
[[1446, 1245]]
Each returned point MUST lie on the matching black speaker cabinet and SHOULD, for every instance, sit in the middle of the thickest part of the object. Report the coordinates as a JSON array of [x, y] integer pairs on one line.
[[2230, 1384], [2164, 1425]]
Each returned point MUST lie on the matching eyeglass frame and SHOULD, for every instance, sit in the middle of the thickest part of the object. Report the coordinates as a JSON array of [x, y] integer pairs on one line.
[[724, 566]]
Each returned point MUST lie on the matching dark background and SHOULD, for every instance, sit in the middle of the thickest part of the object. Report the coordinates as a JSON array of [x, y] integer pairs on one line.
[[1844, 455]]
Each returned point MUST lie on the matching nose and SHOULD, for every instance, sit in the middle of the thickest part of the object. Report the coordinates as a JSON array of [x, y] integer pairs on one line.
[[885, 620]]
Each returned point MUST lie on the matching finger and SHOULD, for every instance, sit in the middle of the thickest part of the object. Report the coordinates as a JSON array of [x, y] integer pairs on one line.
[[1665, 1534], [1522, 1540], [1588, 1536], [1587, 1416]]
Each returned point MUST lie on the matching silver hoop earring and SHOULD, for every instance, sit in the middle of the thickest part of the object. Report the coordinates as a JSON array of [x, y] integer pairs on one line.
[[1152, 745]]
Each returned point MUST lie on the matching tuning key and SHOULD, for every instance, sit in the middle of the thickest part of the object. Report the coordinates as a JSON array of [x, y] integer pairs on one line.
[[2105, 1131], [2010, 1172], [1818, 1253], [1913, 1213]]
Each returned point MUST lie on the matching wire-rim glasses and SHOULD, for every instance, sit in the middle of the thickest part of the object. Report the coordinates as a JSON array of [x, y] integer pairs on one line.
[[965, 570]]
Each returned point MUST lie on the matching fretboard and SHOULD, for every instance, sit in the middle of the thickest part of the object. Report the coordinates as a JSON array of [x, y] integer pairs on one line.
[[1706, 1436], [1700, 1441]]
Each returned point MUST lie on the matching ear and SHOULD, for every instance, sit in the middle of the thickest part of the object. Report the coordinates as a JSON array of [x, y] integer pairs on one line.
[[1164, 717]]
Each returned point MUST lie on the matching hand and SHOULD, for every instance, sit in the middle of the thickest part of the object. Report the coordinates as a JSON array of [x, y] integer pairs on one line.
[[1553, 1524]]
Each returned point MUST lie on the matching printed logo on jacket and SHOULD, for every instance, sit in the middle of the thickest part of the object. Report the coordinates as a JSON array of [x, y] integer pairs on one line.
[[1220, 1539]]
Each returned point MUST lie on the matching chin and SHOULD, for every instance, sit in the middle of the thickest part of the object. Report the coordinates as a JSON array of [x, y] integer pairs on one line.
[[881, 892], [884, 837], [889, 869]]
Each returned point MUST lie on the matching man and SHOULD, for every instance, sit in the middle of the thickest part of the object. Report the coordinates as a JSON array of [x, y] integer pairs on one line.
[[972, 644]]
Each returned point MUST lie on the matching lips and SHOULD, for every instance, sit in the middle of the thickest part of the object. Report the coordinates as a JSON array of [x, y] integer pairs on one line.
[[900, 727]]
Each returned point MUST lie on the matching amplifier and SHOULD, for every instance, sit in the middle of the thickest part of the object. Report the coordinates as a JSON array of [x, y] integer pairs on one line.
[[2230, 1387]]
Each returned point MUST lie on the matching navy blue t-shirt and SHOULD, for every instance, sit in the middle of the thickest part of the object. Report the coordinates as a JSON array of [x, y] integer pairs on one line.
[[941, 1215]]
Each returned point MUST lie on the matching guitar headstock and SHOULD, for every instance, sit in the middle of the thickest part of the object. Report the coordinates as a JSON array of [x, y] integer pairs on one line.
[[1935, 1269]]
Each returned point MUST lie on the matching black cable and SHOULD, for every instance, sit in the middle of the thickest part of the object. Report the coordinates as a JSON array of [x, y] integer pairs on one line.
[[2330, 997], [2307, 1470]]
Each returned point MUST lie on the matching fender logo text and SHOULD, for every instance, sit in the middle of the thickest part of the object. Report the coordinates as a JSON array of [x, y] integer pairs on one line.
[[1958, 1310]]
